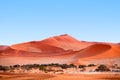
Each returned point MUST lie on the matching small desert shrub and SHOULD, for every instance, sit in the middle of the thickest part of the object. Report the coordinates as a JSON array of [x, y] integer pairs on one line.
[[17, 65], [4, 68], [43, 68], [102, 68], [82, 66], [90, 65]]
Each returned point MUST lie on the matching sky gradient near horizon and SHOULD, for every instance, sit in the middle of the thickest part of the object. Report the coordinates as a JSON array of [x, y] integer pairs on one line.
[[89, 20]]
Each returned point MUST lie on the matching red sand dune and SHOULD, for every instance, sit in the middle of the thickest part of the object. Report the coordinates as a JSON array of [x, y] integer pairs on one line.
[[3, 47], [94, 50], [59, 49], [66, 42], [101, 53]]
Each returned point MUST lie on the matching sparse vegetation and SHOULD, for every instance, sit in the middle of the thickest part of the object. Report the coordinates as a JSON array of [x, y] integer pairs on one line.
[[55, 67]]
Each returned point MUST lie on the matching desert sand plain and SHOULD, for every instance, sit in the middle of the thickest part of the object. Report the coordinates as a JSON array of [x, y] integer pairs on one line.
[[31, 76]]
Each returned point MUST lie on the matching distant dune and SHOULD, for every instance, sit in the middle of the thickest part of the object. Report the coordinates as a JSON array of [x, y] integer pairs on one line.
[[60, 49]]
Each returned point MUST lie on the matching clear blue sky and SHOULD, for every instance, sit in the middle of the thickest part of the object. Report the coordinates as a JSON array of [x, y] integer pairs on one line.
[[90, 20]]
